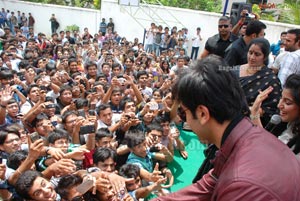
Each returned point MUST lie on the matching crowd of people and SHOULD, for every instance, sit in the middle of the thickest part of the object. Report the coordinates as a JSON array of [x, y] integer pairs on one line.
[[99, 117]]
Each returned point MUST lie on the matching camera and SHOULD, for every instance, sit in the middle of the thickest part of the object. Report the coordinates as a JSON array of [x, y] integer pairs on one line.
[[250, 16], [21, 75], [50, 106], [43, 88], [87, 129], [81, 81], [93, 90], [34, 137], [81, 113], [92, 113]]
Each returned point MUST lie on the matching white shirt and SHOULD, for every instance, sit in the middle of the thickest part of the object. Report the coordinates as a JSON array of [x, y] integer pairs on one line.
[[290, 65], [196, 41], [149, 36]]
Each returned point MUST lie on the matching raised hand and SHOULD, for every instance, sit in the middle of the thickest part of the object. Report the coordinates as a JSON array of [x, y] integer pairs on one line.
[[6, 95]]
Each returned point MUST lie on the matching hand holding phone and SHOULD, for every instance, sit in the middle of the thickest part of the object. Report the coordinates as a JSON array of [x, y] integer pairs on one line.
[[87, 129], [34, 137], [85, 186]]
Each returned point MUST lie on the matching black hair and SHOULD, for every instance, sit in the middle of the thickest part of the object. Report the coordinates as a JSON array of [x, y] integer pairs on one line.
[[224, 18], [154, 126], [207, 84], [129, 171], [50, 66], [162, 118], [71, 60], [23, 64], [134, 138], [65, 183], [102, 107], [65, 88], [295, 32], [25, 183], [103, 153], [3, 136], [11, 101], [89, 64], [181, 57], [264, 47], [124, 101], [283, 33], [6, 74], [40, 117], [66, 114], [80, 103], [140, 73], [105, 63], [14, 129], [293, 85], [57, 135], [115, 65], [103, 132], [255, 27], [16, 158], [161, 93], [30, 87]]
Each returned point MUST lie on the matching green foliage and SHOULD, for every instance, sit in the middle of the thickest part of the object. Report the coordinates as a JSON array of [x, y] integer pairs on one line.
[[76, 3], [289, 12], [72, 28], [97, 4], [205, 5]]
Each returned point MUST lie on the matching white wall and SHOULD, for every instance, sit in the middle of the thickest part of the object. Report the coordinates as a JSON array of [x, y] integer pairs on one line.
[[65, 15], [127, 25]]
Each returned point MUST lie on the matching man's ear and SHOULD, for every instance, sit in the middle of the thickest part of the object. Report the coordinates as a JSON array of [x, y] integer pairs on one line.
[[202, 114]]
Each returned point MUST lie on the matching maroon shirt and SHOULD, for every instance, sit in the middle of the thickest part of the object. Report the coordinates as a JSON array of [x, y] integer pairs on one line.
[[254, 165]]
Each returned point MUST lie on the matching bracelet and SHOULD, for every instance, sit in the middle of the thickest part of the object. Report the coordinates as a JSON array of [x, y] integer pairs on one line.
[[18, 171], [254, 117]]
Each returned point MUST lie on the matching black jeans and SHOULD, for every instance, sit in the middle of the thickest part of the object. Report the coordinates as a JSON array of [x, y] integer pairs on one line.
[[194, 51]]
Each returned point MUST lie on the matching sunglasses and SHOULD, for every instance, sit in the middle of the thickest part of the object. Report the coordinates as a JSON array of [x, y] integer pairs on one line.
[[223, 25]]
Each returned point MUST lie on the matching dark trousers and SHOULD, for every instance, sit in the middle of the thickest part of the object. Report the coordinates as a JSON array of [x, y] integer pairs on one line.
[[194, 51]]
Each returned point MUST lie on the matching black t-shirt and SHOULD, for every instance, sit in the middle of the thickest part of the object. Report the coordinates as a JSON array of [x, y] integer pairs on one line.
[[215, 45]]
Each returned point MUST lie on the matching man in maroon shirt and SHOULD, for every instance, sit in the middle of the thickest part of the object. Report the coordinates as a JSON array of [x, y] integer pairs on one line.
[[251, 163]]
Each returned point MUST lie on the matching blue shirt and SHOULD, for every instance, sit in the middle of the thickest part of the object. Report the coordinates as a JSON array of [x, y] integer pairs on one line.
[[145, 163], [9, 121], [103, 27]]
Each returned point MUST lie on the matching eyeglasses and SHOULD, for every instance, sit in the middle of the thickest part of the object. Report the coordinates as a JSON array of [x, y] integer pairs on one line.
[[70, 122], [12, 140], [223, 25]]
